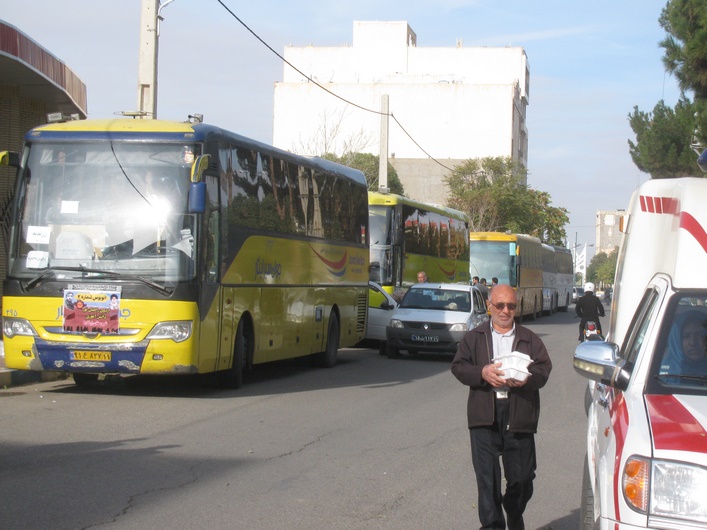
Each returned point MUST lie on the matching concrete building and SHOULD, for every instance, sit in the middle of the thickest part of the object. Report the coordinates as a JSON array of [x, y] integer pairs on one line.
[[608, 234], [33, 83], [448, 104]]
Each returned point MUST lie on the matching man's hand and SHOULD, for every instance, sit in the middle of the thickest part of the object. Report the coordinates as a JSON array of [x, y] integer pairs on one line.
[[492, 374]]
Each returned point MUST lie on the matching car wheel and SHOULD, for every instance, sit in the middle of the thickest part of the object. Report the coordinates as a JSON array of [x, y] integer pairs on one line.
[[587, 518], [392, 352]]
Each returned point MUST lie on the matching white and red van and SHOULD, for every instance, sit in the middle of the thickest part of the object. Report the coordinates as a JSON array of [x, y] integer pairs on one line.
[[646, 464]]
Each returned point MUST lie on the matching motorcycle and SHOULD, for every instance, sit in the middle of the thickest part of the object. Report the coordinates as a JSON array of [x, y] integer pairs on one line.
[[591, 331]]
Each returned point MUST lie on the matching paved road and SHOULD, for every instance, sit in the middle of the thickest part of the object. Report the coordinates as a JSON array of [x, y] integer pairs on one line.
[[372, 443]]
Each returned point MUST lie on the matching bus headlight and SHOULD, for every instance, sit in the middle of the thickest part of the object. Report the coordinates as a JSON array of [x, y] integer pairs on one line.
[[177, 330], [12, 326]]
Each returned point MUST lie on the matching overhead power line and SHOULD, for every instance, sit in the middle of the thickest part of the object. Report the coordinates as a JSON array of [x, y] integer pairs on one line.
[[311, 80]]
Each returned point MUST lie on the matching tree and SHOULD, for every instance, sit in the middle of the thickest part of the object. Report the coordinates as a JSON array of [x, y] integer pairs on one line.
[[492, 191], [663, 139], [368, 163], [685, 22], [602, 268]]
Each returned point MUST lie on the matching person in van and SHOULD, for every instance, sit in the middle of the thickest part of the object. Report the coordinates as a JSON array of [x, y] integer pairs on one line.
[[687, 345], [589, 308]]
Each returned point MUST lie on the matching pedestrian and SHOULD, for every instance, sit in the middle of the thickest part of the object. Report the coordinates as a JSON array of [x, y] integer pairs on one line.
[[422, 277], [588, 307], [483, 288], [494, 282], [502, 414]]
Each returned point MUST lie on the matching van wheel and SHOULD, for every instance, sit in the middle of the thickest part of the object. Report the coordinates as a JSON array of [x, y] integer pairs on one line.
[[392, 352], [587, 518], [327, 358]]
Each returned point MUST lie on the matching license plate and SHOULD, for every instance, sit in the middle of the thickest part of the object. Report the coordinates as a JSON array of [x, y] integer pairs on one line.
[[425, 338], [90, 356]]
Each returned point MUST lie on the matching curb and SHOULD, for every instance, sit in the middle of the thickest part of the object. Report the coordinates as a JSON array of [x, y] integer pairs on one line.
[[10, 378]]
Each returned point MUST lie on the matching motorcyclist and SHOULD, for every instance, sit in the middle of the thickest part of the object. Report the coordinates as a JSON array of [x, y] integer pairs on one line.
[[589, 308]]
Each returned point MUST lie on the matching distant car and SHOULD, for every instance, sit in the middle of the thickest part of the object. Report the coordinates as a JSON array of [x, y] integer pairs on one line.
[[577, 292], [434, 317], [380, 308]]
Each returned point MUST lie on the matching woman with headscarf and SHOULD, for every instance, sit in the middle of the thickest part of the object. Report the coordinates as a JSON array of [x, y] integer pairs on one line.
[[686, 345]]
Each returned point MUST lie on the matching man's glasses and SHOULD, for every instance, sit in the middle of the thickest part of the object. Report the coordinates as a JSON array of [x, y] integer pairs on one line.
[[504, 305]]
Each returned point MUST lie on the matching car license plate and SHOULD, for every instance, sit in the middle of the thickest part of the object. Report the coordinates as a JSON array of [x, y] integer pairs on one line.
[[425, 338], [90, 355]]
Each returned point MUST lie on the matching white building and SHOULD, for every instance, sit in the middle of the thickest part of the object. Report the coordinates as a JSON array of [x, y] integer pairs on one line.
[[448, 104], [609, 235]]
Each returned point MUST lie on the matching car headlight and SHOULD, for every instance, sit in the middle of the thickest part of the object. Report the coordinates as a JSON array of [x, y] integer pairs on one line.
[[460, 326], [12, 326], [395, 323], [178, 331], [666, 489]]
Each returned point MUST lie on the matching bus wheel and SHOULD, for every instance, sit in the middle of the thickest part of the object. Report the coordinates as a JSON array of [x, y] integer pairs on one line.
[[327, 358], [82, 379], [233, 378]]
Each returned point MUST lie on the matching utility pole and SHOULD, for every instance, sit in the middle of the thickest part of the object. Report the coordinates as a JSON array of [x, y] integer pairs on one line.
[[383, 156], [147, 58]]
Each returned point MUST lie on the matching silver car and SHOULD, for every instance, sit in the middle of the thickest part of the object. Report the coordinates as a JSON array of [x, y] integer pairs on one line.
[[434, 317]]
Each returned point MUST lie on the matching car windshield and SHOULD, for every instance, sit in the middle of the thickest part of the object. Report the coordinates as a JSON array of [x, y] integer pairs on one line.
[[440, 299]]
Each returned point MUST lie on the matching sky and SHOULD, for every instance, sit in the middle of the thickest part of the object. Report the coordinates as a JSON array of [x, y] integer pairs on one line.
[[590, 64]]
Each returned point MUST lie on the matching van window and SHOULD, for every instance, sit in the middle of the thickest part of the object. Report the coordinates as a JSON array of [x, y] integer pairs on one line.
[[645, 314], [681, 360]]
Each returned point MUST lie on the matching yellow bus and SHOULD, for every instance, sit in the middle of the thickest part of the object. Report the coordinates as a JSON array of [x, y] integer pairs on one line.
[[516, 260], [409, 236], [156, 247], [557, 278]]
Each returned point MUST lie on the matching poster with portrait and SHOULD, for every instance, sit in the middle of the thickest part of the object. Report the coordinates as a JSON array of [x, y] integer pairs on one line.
[[91, 311]]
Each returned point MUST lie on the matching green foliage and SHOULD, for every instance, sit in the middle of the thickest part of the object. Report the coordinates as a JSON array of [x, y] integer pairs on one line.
[[663, 138], [685, 22], [368, 164], [492, 191], [602, 268]]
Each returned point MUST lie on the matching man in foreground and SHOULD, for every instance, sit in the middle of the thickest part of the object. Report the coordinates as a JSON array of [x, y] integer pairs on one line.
[[502, 413]]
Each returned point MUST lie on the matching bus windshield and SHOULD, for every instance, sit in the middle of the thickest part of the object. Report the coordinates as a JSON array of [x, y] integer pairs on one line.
[[381, 259], [493, 259], [105, 206]]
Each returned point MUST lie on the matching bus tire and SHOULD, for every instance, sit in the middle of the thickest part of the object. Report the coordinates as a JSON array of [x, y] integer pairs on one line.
[[327, 358], [233, 377], [84, 379]]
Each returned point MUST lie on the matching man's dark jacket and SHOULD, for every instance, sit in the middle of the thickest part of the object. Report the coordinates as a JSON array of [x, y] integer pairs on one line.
[[476, 351], [589, 307]]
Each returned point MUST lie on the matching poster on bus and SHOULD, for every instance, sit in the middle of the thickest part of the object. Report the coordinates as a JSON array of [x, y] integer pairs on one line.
[[91, 311]]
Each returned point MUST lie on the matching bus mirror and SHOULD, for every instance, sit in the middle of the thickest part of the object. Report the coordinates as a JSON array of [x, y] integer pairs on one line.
[[8, 158], [200, 165], [197, 197]]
